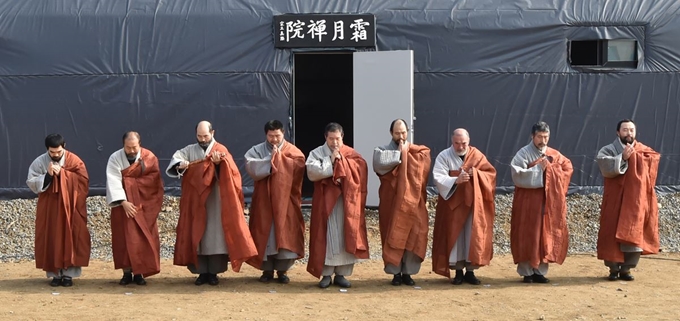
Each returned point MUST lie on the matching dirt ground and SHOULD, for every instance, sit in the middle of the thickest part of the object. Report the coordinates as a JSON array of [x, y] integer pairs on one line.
[[579, 291]]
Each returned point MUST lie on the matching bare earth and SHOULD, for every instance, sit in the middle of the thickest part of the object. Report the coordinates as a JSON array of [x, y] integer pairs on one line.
[[578, 291]]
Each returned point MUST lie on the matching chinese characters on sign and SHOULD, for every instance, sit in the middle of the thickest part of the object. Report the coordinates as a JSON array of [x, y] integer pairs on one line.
[[324, 30]]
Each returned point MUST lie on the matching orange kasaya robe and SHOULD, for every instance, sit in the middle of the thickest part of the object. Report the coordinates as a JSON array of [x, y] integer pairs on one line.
[[539, 231], [476, 198], [352, 171], [196, 187], [630, 212], [62, 239], [135, 241], [403, 206], [277, 199]]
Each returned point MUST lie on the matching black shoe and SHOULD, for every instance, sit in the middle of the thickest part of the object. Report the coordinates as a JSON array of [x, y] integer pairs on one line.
[[406, 279], [267, 276], [396, 280], [202, 279], [213, 280], [613, 276], [471, 278], [528, 279], [282, 277], [66, 281], [340, 281], [325, 282], [139, 279], [540, 278], [458, 279], [55, 282], [626, 276], [126, 279]]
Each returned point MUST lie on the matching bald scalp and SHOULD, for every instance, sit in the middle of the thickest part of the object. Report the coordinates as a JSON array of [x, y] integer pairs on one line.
[[461, 132], [204, 126]]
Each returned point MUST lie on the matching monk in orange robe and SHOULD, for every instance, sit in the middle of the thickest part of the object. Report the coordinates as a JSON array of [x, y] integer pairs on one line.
[[629, 214], [337, 233], [403, 169], [62, 240], [211, 230], [463, 226], [134, 190], [276, 221], [539, 233]]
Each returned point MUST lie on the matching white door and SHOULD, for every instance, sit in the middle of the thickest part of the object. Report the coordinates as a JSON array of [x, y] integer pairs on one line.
[[383, 92]]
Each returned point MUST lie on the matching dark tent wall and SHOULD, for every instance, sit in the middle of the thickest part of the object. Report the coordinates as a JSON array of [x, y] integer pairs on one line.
[[94, 69]]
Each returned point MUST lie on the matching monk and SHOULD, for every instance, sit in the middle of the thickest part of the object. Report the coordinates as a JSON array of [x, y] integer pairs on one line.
[[276, 221], [62, 240], [403, 169], [629, 214], [134, 191], [211, 230], [538, 232], [463, 226], [337, 230]]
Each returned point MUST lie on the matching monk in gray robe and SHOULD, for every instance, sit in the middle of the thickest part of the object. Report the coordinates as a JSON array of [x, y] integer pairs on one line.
[[463, 226], [276, 221], [338, 236], [134, 191], [403, 169], [538, 227], [211, 206], [62, 240], [629, 221]]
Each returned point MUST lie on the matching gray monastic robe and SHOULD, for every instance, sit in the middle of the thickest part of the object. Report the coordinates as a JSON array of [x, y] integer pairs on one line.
[[386, 158], [446, 161], [521, 175], [611, 163], [319, 166], [212, 241], [258, 166]]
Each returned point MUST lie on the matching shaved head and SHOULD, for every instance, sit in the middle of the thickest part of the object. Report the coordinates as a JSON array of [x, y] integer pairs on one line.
[[461, 132], [204, 133]]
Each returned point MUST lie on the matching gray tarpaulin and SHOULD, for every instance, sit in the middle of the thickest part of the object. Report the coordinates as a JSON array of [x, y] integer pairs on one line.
[[91, 70]]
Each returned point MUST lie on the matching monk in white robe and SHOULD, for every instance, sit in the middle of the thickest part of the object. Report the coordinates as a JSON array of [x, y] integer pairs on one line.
[[463, 227], [134, 191], [62, 240]]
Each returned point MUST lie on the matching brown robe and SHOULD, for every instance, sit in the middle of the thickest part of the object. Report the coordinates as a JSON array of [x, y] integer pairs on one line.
[[135, 241], [277, 199], [475, 198], [196, 186], [404, 218], [352, 171], [62, 239], [544, 240], [629, 211]]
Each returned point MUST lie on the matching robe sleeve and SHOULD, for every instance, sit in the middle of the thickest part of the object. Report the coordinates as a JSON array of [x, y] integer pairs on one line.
[[446, 184], [36, 176], [319, 167], [258, 167], [525, 177], [384, 160], [178, 156], [115, 193], [611, 164]]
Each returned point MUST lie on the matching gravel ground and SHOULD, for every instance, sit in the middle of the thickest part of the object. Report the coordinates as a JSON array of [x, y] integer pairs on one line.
[[17, 219]]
